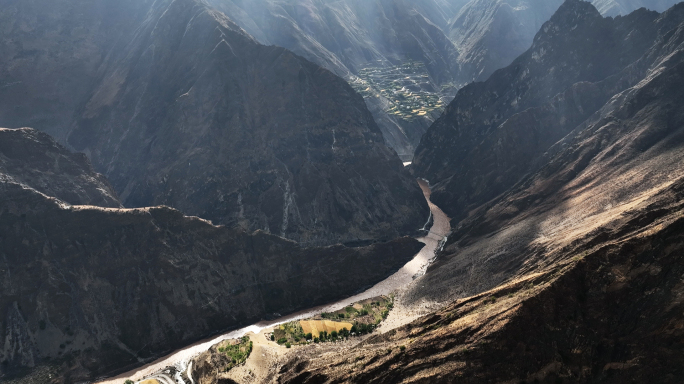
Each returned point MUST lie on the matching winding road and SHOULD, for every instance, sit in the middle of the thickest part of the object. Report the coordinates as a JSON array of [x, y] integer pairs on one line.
[[182, 359]]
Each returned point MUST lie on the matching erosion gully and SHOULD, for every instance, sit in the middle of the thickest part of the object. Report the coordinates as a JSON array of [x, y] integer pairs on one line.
[[181, 360]]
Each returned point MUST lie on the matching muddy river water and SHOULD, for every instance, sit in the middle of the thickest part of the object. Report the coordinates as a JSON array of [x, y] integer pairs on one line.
[[182, 358]]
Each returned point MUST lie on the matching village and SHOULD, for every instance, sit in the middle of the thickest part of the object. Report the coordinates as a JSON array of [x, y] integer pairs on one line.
[[407, 87]]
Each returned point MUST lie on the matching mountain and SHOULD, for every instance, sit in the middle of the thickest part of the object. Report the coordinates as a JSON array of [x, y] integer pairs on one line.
[[368, 43], [491, 34], [178, 106], [496, 132], [573, 274], [89, 290]]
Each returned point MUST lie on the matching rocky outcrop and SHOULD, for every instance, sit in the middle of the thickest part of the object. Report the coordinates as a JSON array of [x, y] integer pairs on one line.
[[178, 106], [503, 126], [89, 290], [572, 275], [34, 160]]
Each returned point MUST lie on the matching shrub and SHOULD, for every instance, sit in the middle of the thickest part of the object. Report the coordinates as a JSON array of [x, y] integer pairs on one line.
[[333, 334], [129, 382], [287, 345], [282, 340], [341, 315], [309, 336], [402, 348], [272, 337]]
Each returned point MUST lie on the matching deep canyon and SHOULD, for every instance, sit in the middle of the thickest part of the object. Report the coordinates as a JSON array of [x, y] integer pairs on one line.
[[483, 191]]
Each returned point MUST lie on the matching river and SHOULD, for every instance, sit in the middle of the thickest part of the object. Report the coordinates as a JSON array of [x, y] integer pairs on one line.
[[180, 359]]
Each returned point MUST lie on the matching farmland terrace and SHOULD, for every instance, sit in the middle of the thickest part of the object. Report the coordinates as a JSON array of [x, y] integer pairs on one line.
[[407, 87]]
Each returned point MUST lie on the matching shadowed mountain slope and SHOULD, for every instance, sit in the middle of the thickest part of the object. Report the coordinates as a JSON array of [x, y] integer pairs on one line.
[[352, 35], [179, 107], [87, 291]]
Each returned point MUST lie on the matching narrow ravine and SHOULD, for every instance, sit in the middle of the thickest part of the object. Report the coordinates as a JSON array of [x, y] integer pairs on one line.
[[396, 283]]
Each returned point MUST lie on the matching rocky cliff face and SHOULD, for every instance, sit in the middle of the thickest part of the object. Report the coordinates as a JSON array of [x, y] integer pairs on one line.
[[89, 290], [572, 275], [178, 106], [495, 132]]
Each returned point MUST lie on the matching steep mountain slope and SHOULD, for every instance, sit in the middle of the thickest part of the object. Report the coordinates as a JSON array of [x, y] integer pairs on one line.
[[494, 133], [491, 34], [48, 65], [88, 290], [352, 35], [572, 275], [178, 106], [33, 159]]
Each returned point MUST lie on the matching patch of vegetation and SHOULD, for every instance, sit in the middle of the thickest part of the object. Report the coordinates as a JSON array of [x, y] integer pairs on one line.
[[406, 86], [360, 319], [237, 352]]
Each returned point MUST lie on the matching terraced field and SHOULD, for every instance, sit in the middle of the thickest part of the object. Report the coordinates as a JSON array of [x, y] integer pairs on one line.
[[407, 87]]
